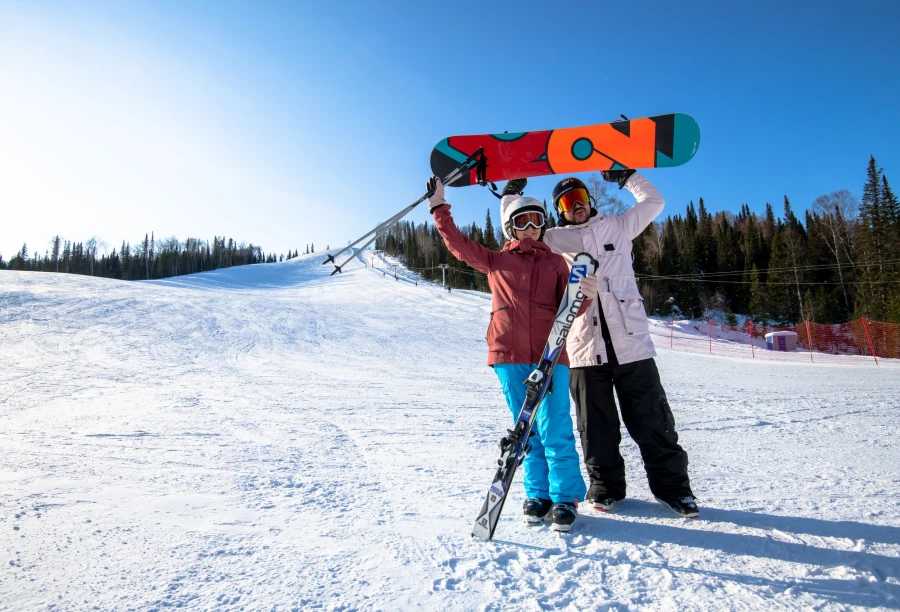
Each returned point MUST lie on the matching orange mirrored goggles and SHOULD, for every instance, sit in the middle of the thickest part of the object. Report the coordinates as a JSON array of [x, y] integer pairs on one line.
[[532, 218], [568, 200]]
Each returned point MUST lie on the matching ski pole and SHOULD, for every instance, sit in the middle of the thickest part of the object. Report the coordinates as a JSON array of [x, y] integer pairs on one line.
[[452, 176], [337, 268], [465, 166], [397, 217]]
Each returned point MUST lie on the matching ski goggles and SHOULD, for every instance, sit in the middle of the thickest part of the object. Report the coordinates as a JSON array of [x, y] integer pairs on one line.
[[568, 200], [523, 220]]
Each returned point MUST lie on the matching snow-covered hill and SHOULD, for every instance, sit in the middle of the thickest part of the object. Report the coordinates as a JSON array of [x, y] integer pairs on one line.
[[269, 437]]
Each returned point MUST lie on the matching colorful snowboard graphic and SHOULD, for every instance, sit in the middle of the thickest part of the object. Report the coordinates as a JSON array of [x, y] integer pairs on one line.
[[651, 142]]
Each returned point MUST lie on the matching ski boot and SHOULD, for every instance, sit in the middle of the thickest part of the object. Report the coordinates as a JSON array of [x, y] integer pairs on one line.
[[534, 510], [563, 514]]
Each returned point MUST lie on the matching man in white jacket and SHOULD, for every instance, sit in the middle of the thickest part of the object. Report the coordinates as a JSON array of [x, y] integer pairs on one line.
[[610, 349]]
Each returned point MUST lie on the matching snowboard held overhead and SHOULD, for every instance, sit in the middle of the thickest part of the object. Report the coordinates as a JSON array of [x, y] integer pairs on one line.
[[651, 142]]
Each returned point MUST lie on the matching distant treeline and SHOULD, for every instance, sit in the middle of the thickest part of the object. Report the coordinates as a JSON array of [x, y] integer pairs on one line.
[[146, 260], [839, 263]]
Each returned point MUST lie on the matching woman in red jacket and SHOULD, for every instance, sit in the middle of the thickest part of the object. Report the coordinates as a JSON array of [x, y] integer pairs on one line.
[[528, 282]]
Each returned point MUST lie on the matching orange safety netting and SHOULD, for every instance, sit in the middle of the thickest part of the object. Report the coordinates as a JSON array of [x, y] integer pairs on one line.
[[860, 341]]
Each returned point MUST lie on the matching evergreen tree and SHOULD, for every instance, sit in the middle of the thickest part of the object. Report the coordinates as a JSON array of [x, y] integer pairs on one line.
[[673, 263], [726, 258], [704, 245], [757, 305], [145, 256], [490, 238], [891, 206], [550, 221], [55, 252], [892, 233], [871, 235], [152, 251], [779, 283], [20, 259], [767, 233], [691, 219]]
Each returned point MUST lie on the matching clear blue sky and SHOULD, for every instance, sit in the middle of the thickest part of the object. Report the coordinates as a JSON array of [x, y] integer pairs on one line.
[[288, 123]]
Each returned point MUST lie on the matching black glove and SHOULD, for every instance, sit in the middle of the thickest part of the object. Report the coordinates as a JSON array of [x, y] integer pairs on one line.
[[617, 176], [515, 187]]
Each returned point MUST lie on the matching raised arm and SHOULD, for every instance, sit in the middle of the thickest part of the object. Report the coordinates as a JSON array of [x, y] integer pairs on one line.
[[648, 206], [462, 248]]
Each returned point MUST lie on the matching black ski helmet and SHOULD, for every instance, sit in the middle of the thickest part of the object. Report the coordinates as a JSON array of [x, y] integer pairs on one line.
[[565, 186]]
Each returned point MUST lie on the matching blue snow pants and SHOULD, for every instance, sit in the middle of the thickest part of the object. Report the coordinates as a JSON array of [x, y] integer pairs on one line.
[[552, 468]]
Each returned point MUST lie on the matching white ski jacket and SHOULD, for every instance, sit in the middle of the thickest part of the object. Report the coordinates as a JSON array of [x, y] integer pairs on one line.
[[608, 240]]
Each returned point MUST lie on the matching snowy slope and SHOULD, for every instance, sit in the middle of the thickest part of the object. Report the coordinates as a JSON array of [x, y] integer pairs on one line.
[[268, 437]]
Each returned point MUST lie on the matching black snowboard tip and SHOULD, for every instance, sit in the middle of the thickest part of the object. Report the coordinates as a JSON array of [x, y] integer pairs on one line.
[[442, 165]]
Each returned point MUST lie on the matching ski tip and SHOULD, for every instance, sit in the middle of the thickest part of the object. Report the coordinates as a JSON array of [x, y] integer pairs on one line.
[[585, 258], [328, 259]]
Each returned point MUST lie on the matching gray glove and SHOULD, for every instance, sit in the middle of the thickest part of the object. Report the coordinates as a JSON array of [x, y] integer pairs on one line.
[[588, 285], [435, 189]]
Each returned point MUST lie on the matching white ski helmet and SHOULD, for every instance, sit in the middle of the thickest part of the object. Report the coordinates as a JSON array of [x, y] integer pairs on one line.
[[511, 208]]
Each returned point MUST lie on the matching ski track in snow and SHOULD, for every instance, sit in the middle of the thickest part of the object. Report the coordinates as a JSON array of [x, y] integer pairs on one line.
[[269, 437]]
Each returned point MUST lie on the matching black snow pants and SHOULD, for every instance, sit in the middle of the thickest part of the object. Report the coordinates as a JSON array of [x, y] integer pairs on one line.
[[647, 417]]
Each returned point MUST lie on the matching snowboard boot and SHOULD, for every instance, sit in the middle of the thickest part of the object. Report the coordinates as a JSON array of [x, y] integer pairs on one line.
[[534, 510], [600, 498], [514, 187], [603, 503], [563, 514], [684, 506]]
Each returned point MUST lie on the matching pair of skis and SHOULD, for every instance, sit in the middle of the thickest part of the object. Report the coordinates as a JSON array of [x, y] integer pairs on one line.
[[514, 446]]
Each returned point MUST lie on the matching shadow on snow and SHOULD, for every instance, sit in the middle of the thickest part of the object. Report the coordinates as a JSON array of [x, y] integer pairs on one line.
[[848, 592]]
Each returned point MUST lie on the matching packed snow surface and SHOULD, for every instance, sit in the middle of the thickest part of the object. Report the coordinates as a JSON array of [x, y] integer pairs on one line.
[[271, 438]]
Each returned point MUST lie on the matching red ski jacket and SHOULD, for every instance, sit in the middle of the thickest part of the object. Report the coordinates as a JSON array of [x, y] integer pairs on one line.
[[528, 282]]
